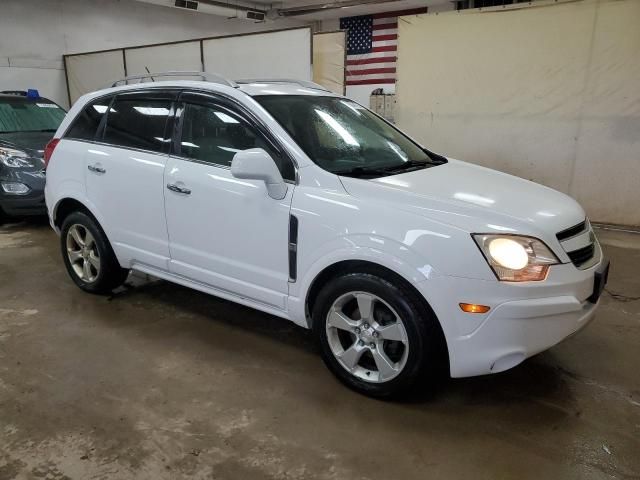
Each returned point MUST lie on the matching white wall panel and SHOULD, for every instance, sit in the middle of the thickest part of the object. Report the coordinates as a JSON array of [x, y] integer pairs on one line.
[[163, 58], [42, 31], [549, 93], [280, 54], [93, 71]]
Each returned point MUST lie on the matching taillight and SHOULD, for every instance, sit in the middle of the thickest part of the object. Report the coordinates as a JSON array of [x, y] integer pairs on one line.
[[48, 150]]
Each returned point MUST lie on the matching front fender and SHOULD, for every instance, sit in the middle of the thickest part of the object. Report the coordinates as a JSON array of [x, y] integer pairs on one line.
[[374, 249]]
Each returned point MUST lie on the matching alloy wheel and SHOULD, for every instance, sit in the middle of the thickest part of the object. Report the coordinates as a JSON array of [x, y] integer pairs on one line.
[[83, 254], [367, 337]]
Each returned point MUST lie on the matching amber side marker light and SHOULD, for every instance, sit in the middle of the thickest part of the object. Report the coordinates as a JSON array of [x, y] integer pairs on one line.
[[473, 308]]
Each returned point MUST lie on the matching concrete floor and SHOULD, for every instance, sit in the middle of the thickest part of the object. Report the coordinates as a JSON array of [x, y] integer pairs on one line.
[[163, 382]]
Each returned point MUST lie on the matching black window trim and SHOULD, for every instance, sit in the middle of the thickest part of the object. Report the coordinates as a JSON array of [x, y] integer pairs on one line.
[[99, 135], [173, 95], [232, 105], [175, 114]]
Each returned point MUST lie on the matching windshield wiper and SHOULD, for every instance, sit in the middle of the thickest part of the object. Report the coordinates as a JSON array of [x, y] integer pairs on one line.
[[407, 165], [362, 172]]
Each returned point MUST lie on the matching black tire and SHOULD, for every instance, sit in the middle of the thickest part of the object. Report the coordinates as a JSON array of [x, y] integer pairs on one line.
[[110, 275], [426, 357]]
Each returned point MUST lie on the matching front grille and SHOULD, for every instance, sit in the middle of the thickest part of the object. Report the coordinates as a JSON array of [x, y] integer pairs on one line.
[[572, 231], [582, 255], [579, 243]]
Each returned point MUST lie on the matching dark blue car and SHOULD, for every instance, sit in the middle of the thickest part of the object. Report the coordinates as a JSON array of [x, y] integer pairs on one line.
[[27, 123]]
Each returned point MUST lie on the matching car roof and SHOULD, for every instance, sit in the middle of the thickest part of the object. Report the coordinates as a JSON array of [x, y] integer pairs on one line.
[[249, 87], [257, 87]]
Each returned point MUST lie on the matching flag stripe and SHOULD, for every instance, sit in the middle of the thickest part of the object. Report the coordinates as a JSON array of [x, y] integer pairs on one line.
[[382, 26], [369, 71], [385, 48], [373, 76], [378, 38], [375, 81], [386, 31], [368, 61]]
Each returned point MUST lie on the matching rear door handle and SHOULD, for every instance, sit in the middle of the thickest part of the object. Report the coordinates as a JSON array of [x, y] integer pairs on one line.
[[178, 189], [96, 169]]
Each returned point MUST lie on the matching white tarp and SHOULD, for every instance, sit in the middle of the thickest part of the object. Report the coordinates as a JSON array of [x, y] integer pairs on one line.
[[329, 54], [550, 93], [162, 58], [278, 54], [93, 71]]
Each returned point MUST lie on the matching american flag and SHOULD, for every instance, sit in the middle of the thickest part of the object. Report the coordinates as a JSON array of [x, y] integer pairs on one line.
[[372, 43]]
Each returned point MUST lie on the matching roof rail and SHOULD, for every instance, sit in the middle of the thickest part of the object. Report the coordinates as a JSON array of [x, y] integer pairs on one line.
[[206, 77], [302, 83]]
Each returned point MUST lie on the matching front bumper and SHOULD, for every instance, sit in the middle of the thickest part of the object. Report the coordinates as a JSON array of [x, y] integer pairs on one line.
[[524, 319], [29, 204]]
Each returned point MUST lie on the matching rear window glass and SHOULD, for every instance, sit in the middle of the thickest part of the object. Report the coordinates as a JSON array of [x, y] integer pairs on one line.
[[25, 115], [138, 122], [86, 124]]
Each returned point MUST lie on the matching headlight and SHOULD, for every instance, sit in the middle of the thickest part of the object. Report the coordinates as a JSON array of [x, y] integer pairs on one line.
[[14, 158], [515, 258], [14, 188]]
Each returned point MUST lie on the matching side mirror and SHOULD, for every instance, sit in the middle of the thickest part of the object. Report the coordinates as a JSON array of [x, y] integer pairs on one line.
[[256, 164]]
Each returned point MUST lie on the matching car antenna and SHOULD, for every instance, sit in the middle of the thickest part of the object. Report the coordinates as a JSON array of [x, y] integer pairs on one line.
[[147, 69]]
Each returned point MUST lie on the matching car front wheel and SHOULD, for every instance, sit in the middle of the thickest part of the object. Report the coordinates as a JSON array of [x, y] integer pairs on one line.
[[375, 335]]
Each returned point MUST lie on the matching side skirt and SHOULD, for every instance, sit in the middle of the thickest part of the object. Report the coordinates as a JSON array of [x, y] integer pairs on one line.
[[180, 280]]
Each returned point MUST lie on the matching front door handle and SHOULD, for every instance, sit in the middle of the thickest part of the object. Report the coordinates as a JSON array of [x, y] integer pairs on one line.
[[96, 169], [178, 189]]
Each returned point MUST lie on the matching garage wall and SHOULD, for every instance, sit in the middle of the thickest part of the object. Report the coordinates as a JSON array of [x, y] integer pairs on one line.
[[34, 34], [549, 93]]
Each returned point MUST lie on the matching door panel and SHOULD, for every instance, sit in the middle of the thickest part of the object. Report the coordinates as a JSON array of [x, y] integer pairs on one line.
[[129, 194], [227, 233], [125, 176], [223, 231]]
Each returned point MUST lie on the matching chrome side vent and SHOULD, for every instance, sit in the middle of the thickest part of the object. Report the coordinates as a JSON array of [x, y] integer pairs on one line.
[[579, 242]]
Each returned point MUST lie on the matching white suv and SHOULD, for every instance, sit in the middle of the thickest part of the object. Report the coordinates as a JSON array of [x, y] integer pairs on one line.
[[287, 198]]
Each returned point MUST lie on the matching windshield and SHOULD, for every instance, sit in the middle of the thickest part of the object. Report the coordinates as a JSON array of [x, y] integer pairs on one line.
[[22, 115], [345, 138]]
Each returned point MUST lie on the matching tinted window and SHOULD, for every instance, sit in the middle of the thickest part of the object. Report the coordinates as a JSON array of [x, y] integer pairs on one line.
[[138, 122], [215, 134], [85, 125], [18, 114]]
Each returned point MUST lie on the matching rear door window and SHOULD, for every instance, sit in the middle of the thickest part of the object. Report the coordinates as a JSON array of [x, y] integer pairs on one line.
[[139, 121], [85, 125]]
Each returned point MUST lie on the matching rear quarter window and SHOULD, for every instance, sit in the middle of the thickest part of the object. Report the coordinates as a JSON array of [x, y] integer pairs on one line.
[[85, 125]]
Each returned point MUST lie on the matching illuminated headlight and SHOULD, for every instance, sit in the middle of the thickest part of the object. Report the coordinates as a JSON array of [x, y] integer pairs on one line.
[[12, 158], [515, 258], [14, 188]]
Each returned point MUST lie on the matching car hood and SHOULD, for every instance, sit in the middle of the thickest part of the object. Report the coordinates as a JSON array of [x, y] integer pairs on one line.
[[31, 142], [474, 199]]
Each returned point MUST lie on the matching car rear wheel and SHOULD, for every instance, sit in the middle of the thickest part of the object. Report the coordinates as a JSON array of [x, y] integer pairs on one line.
[[376, 336], [88, 256]]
